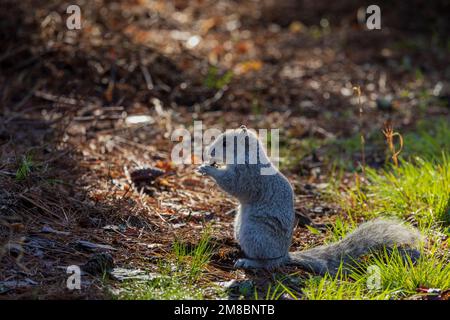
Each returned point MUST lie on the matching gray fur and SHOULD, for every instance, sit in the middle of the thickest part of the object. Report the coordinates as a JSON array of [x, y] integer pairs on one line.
[[265, 220], [369, 237]]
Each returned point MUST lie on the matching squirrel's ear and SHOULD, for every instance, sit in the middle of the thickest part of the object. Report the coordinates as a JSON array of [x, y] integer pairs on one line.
[[242, 134]]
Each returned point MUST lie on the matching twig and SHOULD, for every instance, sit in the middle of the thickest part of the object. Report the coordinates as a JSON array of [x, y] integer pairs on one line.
[[13, 52], [7, 173], [39, 206], [27, 96], [147, 77], [389, 133], [57, 99], [208, 102], [357, 90]]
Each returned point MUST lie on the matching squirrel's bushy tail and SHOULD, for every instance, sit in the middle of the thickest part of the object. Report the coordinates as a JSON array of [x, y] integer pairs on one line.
[[368, 237]]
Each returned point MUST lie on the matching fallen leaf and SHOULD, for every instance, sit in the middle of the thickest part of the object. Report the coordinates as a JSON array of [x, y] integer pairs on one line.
[[47, 229], [245, 67], [296, 27]]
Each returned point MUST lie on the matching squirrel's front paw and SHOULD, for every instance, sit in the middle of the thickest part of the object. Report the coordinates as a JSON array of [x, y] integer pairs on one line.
[[205, 169]]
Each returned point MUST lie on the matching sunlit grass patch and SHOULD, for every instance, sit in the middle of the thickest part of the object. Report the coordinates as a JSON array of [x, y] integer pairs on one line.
[[403, 277], [419, 190], [384, 276], [340, 228], [276, 291], [191, 262], [178, 276], [165, 287], [340, 287]]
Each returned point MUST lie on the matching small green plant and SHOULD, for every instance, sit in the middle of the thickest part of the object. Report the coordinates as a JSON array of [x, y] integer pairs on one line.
[[214, 80], [278, 289], [313, 230], [193, 261], [353, 199], [178, 278], [275, 292], [340, 228], [25, 168]]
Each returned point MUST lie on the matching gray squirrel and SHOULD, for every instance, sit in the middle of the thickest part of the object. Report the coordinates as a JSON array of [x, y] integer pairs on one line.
[[264, 222]]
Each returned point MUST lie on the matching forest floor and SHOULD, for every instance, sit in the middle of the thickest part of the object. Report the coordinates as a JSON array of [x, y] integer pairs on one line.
[[86, 118]]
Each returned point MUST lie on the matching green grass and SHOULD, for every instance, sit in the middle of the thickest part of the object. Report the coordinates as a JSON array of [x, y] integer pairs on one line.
[[25, 168], [340, 229], [419, 190], [386, 276], [215, 80], [178, 277], [191, 263], [162, 288], [275, 292], [343, 152], [340, 287], [382, 277], [404, 277], [428, 141]]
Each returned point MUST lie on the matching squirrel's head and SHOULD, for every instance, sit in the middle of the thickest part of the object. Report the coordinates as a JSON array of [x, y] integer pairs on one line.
[[238, 146]]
